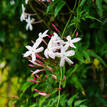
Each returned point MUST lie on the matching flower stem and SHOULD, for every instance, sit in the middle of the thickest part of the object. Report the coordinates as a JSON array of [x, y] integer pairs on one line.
[[68, 20], [59, 87]]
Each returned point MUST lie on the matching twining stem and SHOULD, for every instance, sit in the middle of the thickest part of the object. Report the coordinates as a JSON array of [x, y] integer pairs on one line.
[[59, 87], [77, 18], [68, 20], [66, 26]]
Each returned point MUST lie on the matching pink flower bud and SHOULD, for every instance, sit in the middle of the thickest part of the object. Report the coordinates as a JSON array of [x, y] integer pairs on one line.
[[31, 65], [55, 28], [49, 36], [38, 76], [54, 77], [43, 94], [34, 81], [64, 78], [76, 34]]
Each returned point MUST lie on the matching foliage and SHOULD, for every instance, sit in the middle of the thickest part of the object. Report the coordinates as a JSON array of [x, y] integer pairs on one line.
[[86, 83]]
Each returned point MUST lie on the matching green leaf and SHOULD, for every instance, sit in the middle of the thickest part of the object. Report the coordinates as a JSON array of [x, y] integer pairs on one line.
[[78, 103], [42, 101], [99, 6], [63, 99], [86, 55], [70, 101], [26, 86], [59, 7], [76, 82], [82, 3], [83, 106], [79, 57], [93, 18]]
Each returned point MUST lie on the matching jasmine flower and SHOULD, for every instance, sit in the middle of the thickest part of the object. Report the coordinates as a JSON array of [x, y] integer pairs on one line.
[[41, 36], [32, 52], [24, 15], [71, 41], [64, 56], [29, 23]]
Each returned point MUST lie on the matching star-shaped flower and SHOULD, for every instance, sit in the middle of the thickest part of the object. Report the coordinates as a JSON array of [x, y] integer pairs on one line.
[[64, 56], [41, 36], [32, 51], [29, 23], [24, 15], [71, 41]]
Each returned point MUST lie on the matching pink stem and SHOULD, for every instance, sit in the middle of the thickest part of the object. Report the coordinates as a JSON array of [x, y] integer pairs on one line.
[[45, 42]]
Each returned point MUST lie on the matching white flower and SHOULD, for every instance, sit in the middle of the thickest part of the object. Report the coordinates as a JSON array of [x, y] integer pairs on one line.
[[71, 41], [54, 44], [26, 1], [32, 51], [49, 52], [64, 56], [55, 41], [29, 23], [24, 15], [41, 36]]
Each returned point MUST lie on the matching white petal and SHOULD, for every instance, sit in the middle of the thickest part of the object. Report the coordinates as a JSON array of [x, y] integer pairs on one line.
[[46, 53], [68, 60], [40, 34], [58, 54], [63, 49], [39, 50], [28, 47], [30, 27], [33, 57], [72, 45], [21, 18], [62, 62], [52, 55], [70, 53], [23, 8], [55, 34], [45, 33], [75, 40], [38, 41], [27, 54], [68, 38]]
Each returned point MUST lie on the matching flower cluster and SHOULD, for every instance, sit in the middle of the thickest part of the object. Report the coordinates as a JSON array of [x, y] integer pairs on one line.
[[27, 18], [56, 47]]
